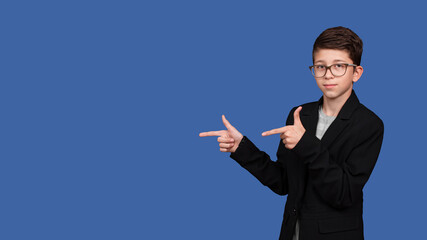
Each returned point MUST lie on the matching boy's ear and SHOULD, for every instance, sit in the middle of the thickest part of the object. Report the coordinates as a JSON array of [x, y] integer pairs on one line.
[[358, 71]]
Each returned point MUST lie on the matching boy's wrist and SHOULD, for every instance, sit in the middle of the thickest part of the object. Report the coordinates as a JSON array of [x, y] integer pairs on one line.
[[244, 150]]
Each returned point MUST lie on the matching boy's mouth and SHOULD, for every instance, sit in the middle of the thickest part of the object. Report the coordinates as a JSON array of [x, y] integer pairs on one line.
[[329, 85]]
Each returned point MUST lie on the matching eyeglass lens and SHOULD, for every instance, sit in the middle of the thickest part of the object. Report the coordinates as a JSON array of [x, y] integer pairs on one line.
[[336, 69]]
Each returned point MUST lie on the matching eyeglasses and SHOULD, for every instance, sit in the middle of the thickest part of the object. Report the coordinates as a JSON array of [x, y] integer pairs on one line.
[[337, 70]]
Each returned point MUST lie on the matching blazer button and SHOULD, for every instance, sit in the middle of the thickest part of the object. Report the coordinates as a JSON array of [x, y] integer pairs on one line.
[[294, 212]]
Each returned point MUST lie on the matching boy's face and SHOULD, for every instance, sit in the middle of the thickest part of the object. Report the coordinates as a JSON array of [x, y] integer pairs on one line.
[[336, 88]]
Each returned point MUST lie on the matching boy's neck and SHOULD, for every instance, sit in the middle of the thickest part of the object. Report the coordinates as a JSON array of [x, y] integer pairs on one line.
[[331, 107]]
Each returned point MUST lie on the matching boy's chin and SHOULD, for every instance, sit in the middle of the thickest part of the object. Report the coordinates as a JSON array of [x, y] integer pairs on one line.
[[335, 95]]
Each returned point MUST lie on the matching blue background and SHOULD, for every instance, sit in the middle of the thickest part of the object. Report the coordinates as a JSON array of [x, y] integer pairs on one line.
[[102, 103]]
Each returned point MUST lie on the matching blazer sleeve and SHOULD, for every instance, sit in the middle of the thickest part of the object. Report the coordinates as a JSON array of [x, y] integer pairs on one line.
[[272, 174], [341, 185]]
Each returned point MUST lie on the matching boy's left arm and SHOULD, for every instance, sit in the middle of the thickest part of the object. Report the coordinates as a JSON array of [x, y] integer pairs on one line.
[[341, 185]]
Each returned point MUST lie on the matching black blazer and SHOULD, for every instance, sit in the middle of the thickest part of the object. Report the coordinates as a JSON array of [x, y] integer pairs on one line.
[[323, 178]]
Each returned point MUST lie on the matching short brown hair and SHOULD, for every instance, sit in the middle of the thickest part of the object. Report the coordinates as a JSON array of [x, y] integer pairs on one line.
[[340, 38]]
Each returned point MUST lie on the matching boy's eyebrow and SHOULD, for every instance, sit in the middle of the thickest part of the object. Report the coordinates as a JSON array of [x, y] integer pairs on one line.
[[335, 61]]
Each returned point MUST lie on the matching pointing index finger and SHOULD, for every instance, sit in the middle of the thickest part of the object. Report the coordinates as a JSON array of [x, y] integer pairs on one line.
[[211, 133], [274, 131]]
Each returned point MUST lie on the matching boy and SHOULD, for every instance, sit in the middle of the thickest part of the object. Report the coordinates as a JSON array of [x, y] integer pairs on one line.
[[327, 149]]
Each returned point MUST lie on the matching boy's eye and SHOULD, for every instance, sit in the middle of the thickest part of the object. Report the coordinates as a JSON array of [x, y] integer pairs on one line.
[[338, 66], [320, 67]]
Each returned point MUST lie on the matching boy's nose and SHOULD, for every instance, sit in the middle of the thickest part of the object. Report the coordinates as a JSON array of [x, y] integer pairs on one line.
[[328, 74]]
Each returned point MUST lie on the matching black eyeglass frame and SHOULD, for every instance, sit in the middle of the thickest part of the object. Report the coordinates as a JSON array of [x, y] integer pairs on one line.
[[329, 67]]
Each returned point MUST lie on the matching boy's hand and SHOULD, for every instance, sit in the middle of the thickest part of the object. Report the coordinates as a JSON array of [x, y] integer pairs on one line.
[[228, 139], [290, 134]]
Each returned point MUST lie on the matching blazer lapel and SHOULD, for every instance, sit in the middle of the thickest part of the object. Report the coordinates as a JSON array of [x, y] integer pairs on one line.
[[340, 123]]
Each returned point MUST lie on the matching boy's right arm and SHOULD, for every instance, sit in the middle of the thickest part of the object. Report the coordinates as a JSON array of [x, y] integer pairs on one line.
[[258, 163]]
